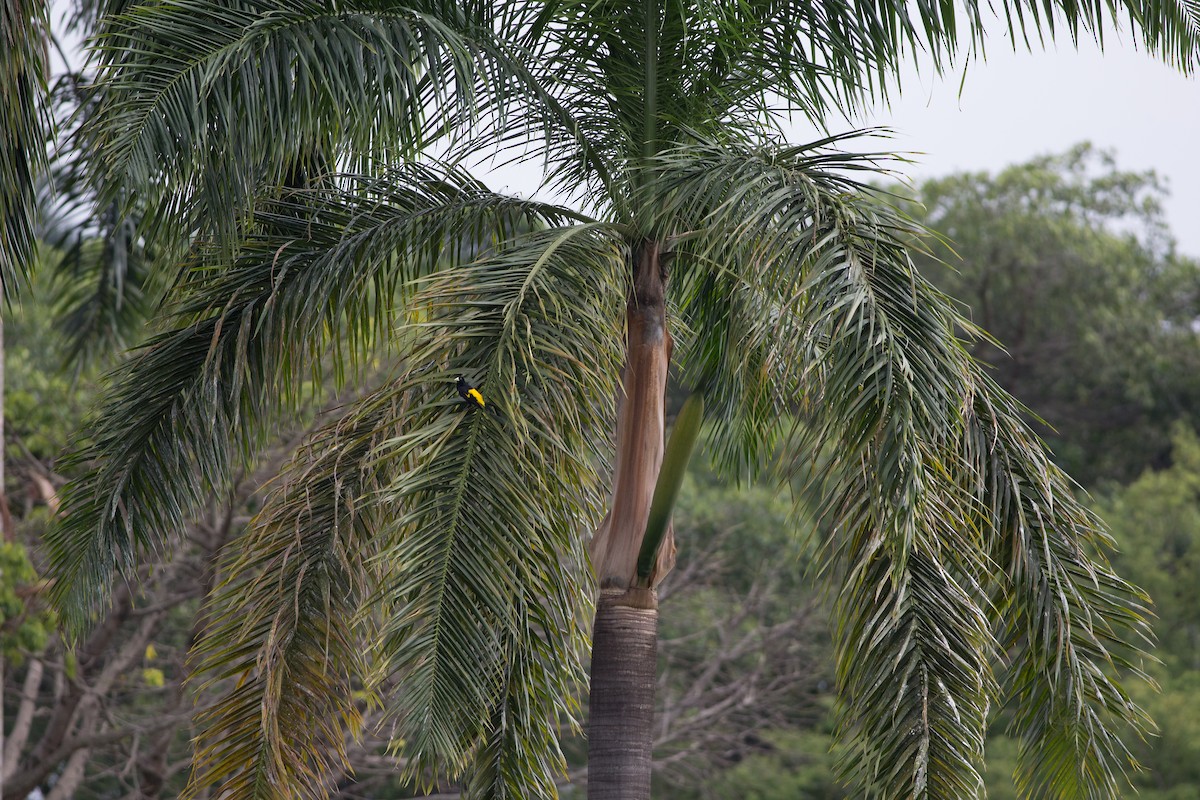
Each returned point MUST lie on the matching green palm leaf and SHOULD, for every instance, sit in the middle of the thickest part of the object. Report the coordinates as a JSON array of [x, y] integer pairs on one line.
[[488, 547], [26, 125], [800, 287], [202, 105], [193, 403], [913, 714], [728, 70]]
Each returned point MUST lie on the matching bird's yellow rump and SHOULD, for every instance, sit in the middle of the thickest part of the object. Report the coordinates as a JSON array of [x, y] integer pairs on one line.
[[469, 393]]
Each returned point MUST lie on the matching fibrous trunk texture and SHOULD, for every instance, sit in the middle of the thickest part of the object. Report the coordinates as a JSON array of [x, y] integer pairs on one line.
[[624, 639], [641, 423], [621, 711]]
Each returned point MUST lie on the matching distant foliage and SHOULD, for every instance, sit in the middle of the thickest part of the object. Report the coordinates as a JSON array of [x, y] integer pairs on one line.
[[1067, 261], [1156, 521], [23, 626]]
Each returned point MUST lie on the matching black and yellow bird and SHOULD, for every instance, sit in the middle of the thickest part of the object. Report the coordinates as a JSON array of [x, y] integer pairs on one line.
[[471, 395]]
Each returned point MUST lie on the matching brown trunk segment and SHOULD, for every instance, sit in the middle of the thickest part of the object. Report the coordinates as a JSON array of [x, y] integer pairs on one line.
[[621, 709], [625, 635], [641, 426]]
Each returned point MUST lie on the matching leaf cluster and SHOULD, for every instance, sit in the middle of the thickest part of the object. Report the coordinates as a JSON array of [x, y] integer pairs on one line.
[[26, 125]]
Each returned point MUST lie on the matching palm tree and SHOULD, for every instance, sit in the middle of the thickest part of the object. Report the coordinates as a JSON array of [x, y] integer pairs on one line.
[[432, 559]]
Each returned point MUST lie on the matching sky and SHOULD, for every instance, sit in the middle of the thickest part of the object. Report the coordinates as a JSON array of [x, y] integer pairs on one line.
[[1017, 105], [1014, 106]]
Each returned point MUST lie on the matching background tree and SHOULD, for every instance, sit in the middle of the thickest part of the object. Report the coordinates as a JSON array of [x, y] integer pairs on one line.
[[415, 547], [1156, 523], [1067, 261]]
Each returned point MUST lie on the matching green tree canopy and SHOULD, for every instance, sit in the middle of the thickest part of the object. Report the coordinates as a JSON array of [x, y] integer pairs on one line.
[[1156, 523], [1067, 261]]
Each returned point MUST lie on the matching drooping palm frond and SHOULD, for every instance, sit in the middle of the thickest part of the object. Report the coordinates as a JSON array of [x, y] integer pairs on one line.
[[474, 520], [886, 381], [891, 32], [25, 121], [804, 300], [773, 270], [484, 620], [1072, 627], [105, 292], [913, 667], [523, 729], [321, 270], [288, 637], [1168, 28]]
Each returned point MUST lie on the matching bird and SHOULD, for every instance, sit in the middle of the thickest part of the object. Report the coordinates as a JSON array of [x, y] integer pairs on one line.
[[471, 395]]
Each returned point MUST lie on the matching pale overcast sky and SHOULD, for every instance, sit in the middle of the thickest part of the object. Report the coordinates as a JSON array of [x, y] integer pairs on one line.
[[1017, 105]]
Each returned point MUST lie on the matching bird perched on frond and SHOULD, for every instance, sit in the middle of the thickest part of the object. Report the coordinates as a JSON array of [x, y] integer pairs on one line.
[[471, 395]]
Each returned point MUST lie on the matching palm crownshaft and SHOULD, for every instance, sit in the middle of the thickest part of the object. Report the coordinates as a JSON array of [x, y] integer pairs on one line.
[[453, 546]]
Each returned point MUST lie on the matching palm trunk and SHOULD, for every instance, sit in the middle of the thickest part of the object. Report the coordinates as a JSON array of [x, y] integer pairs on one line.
[[621, 710], [624, 642]]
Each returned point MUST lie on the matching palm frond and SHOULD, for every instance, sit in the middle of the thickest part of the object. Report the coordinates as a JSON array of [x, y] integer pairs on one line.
[[484, 628], [478, 536], [204, 104], [321, 270], [804, 299], [26, 124], [777, 266], [622, 99], [519, 754], [287, 640], [914, 711], [1168, 28], [866, 47], [1073, 628]]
